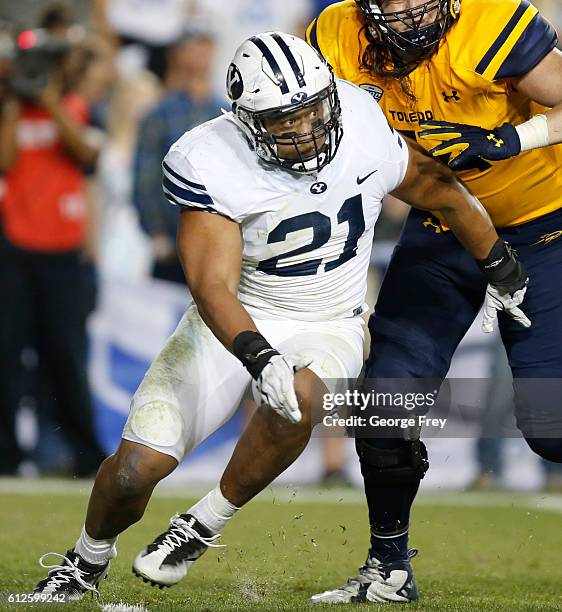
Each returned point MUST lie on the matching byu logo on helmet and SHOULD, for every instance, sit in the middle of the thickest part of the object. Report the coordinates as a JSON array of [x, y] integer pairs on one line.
[[234, 82], [301, 96]]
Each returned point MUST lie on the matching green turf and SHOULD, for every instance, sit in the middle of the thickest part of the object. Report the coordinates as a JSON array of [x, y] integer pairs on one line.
[[476, 558]]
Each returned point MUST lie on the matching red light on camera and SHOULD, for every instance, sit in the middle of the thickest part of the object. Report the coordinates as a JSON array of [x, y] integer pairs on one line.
[[27, 39]]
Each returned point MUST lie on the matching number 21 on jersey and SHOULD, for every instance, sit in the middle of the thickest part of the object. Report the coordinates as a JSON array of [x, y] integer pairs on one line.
[[351, 213]]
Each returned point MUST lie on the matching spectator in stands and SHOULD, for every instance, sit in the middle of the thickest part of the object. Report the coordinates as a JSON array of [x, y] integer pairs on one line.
[[188, 103], [124, 249], [233, 21], [142, 31], [44, 148]]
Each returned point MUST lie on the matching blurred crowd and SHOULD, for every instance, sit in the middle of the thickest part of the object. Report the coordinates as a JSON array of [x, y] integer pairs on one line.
[[90, 102]]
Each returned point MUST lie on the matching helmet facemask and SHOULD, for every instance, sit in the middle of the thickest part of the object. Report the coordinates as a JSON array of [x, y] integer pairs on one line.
[[408, 33], [302, 152]]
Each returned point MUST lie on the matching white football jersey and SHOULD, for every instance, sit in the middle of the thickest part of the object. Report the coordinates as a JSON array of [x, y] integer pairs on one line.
[[307, 238]]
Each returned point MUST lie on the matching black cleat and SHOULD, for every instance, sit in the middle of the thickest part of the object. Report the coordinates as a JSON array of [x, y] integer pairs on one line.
[[72, 578]]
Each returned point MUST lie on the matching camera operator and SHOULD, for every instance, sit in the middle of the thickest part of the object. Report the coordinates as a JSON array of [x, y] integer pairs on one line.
[[45, 151]]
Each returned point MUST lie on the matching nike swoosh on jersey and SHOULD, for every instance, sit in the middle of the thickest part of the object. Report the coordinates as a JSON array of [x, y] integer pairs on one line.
[[362, 180]]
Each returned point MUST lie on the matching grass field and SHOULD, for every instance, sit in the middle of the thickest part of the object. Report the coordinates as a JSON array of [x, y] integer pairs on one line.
[[477, 552]]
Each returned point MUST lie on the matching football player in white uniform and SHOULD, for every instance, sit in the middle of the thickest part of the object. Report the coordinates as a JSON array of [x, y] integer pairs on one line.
[[278, 198]]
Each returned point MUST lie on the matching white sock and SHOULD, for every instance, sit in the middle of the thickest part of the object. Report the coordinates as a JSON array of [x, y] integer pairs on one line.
[[98, 552], [214, 510]]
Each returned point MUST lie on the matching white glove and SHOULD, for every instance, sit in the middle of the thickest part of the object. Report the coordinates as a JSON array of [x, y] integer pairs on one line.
[[276, 385], [509, 303]]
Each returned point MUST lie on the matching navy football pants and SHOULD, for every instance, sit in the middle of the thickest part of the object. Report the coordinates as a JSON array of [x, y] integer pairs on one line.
[[431, 294]]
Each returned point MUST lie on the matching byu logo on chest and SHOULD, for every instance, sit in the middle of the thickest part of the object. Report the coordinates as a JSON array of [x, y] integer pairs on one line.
[[318, 188]]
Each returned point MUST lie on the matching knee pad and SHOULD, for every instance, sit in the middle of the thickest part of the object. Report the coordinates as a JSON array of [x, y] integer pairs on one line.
[[156, 422], [405, 462], [547, 448]]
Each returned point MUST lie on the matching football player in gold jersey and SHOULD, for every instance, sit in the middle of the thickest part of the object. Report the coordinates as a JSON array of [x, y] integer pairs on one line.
[[478, 84]]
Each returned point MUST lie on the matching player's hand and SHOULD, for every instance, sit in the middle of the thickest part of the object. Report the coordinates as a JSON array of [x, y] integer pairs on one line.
[[466, 143], [500, 300], [274, 373], [507, 285], [276, 385]]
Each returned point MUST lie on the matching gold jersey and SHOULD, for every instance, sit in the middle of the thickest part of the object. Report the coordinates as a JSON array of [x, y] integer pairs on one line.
[[469, 80]]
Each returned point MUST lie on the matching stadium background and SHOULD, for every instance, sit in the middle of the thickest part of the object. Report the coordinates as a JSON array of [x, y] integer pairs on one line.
[[135, 313]]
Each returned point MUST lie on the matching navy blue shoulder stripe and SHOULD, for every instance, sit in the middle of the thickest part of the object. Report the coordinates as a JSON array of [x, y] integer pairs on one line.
[[500, 40], [186, 194], [182, 179], [291, 59], [190, 207], [538, 40], [272, 63], [314, 37]]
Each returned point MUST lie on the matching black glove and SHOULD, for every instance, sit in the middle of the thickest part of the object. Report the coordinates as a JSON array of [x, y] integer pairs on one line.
[[466, 143]]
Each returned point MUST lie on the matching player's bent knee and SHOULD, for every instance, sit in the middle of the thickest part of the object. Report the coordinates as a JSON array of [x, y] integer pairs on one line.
[[548, 448], [392, 461], [135, 469]]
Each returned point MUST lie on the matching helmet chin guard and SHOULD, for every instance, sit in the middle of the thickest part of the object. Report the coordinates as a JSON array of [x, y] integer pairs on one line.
[[273, 78]]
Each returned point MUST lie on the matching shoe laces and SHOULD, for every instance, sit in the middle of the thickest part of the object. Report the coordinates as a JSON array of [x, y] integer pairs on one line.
[[367, 574], [60, 574], [370, 572], [182, 532]]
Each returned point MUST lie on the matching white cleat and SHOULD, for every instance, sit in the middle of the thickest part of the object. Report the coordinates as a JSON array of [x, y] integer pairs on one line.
[[376, 582], [355, 589], [167, 560], [394, 583]]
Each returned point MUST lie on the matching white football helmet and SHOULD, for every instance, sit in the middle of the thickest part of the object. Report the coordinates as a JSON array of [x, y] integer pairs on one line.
[[278, 84]]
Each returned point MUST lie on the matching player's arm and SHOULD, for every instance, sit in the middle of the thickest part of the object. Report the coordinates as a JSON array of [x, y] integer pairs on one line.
[[429, 185], [533, 65], [543, 84], [210, 250]]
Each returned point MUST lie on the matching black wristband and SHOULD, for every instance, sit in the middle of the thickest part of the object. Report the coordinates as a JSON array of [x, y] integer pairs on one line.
[[503, 269], [254, 351]]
